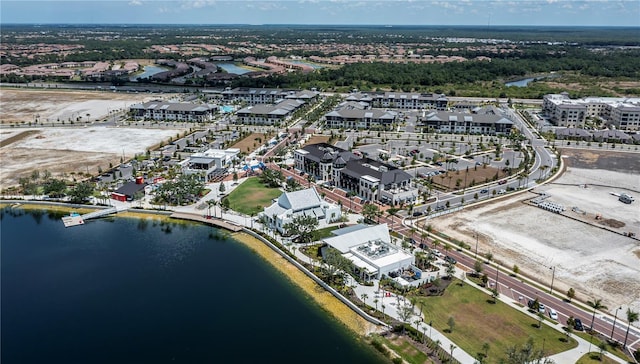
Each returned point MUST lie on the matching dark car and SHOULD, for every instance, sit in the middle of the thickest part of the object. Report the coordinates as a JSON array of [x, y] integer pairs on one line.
[[417, 213], [577, 325], [450, 260]]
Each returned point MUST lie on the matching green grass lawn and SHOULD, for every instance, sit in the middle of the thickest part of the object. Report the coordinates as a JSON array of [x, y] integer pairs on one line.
[[403, 347], [617, 350], [251, 196], [477, 322], [323, 233], [594, 357]]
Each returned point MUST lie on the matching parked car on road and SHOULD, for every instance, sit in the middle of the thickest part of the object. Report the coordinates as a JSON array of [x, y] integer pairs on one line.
[[553, 314], [541, 308], [484, 190], [577, 325], [450, 260]]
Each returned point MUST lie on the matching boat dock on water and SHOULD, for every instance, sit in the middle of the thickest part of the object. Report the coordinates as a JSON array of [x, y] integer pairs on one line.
[[75, 219]]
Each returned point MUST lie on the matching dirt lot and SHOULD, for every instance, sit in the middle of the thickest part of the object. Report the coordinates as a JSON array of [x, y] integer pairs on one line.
[[57, 106], [594, 261], [64, 149], [252, 141]]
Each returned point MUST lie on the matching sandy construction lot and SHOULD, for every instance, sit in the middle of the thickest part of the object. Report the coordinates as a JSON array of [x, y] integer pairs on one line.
[[594, 261], [62, 149], [65, 150], [55, 106]]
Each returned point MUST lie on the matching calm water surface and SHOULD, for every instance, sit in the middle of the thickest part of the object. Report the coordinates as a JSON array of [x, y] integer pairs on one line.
[[137, 291]]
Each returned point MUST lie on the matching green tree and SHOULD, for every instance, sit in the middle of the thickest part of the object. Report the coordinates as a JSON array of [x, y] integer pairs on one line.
[[55, 188], [451, 322], [81, 192], [478, 267], [632, 316], [370, 212], [392, 212], [222, 188], [526, 354], [516, 270], [571, 294], [596, 304], [302, 226]]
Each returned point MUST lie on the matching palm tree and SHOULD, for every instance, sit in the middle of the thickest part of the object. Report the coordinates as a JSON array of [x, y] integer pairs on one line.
[[364, 297], [375, 301], [632, 317], [392, 212], [423, 235], [597, 305]]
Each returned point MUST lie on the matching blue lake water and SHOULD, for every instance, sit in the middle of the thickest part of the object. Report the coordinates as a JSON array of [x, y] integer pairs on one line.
[[232, 68], [137, 291], [148, 71], [520, 83], [315, 66]]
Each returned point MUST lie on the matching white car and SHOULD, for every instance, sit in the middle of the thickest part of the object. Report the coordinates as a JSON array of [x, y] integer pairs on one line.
[[553, 314], [541, 308]]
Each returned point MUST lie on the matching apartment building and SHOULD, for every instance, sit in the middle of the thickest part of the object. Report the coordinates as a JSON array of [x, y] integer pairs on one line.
[[621, 113], [173, 111], [486, 121], [256, 96], [369, 179], [359, 115], [401, 100], [268, 114]]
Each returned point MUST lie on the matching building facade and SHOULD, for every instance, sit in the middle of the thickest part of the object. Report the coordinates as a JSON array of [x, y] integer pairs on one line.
[[401, 100], [173, 111], [267, 114], [619, 113], [369, 179], [359, 115], [300, 203], [486, 121]]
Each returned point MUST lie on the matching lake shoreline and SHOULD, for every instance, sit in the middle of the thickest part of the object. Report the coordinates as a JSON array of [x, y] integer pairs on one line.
[[324, 299]]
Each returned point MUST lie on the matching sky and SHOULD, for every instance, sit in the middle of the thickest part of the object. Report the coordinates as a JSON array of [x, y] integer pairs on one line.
[[344, 12]]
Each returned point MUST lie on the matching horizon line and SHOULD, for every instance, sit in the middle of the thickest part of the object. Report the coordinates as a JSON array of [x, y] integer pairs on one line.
[[328, 24]]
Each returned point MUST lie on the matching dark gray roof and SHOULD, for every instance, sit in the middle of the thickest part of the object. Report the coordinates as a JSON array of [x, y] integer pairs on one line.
[[358, 167], [131, 188]]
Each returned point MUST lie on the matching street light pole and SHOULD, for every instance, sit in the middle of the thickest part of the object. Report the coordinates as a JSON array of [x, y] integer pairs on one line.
[[476, 245], [615, 317], [553, 275]]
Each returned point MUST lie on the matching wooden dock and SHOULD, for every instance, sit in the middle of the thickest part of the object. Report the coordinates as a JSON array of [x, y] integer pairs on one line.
[[209, 221], [75, 219], [72, 220]]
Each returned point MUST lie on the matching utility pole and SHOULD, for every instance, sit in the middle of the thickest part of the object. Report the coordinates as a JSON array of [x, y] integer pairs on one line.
[[553, 275]]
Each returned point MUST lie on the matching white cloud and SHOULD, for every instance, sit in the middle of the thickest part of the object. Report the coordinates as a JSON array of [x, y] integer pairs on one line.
[[196, 4], [135, 2]]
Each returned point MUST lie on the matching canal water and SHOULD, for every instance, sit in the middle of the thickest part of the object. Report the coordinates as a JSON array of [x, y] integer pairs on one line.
[[232, 68], [121, 290], [148, 71]]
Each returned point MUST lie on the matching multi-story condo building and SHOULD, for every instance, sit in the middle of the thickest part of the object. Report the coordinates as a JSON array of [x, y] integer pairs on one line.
[[256, 96], [401, 100], [175, 111], [268, 114], [359, 115], [621, 113], [487, 121], [369, 179]]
